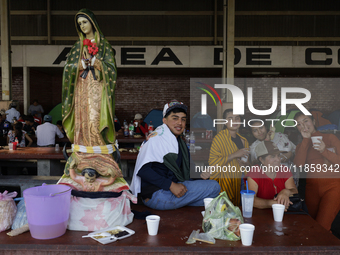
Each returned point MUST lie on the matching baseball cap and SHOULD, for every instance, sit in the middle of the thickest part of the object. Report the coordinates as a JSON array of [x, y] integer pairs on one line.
[[266, 148], [138, 116], [47, 118], [172, 105], [13, 104]]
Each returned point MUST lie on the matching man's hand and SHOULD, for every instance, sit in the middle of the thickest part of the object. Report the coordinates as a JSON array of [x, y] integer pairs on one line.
[[241, 153], [205, 175], [178, 189]]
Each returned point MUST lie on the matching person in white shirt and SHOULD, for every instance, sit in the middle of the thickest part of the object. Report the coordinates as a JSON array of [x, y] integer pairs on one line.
[[35, 107], [280, 140], [12, 113], [46, 133]]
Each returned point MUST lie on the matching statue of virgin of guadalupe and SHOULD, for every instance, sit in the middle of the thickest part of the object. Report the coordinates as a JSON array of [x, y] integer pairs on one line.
[[88, 105]]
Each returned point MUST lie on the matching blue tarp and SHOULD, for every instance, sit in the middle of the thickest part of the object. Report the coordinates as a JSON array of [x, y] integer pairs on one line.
[[156, 116]]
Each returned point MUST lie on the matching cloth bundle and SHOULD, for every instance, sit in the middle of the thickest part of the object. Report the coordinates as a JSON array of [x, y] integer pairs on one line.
[[96, 211]]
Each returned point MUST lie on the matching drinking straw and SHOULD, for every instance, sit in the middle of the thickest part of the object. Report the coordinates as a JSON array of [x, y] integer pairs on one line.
[[247, 186]]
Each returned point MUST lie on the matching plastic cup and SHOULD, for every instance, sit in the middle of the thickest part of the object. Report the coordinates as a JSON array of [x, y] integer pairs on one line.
[[247, 233], [315, 140], [14, 146], [245, 158], [152, 222], [10, 146], [247, 199], [57, 147], [207, 202], [278, 211]]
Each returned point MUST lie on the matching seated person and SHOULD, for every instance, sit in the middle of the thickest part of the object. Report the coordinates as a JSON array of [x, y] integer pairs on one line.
[[22, 119], [20, 134], [36, 107], [60, 126], [271, 178], [162, 172], [118, 127], [46, 133], [30, 125], [140, 126], [12, 113], [36, 117], [227, 149], [5, 126], [282, 142]]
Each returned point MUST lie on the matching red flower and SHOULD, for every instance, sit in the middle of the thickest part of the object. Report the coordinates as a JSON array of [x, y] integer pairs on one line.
[[93, 49], [87, 42]]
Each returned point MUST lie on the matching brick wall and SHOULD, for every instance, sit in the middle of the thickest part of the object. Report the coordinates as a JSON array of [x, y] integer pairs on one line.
[[142, 93]]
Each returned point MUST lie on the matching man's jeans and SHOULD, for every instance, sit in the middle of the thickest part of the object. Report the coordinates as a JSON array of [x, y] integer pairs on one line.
[[197, 191]]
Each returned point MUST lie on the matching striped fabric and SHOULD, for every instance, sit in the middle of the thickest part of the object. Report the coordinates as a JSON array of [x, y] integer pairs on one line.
[[104, 149], [221, 147]]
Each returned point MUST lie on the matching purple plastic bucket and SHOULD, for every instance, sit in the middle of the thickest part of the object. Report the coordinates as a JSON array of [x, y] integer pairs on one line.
[[48, 210]]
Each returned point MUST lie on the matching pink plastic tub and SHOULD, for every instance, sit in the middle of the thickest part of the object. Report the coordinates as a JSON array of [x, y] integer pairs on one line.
[[48, 209]]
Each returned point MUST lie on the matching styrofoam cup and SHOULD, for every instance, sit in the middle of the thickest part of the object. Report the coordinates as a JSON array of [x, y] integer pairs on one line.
[[207, 202], [315, 140], [245, 158], [278, 211], [10, 146], [152, 222], [247, 233]]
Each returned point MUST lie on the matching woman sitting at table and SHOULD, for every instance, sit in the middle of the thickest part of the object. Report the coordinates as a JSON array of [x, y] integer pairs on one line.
[[20, 134], [272, 182], [322, 184]]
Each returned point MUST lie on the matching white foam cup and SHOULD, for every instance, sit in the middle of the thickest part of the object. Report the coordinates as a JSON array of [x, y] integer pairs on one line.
[[245, 158], [152, 222], [207, 202], [10, 146], [247, 233], [278, 211], [315, 140]]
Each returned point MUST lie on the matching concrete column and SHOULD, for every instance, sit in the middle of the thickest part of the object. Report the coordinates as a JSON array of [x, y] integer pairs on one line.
[[6, 65], [26, 81], [230, 46], [228, 56]]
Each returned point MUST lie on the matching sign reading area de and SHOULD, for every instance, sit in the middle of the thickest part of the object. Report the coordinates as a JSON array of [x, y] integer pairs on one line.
[[189, 56]]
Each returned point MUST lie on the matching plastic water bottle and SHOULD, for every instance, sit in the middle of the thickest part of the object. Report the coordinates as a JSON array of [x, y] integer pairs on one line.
[[131, 129], [17, 141], [192, 142], [126, 128], [187, 139], [150, 127]]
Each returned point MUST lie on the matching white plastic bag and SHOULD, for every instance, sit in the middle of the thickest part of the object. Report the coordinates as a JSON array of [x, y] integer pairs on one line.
[[20, 217], [8, 209]]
